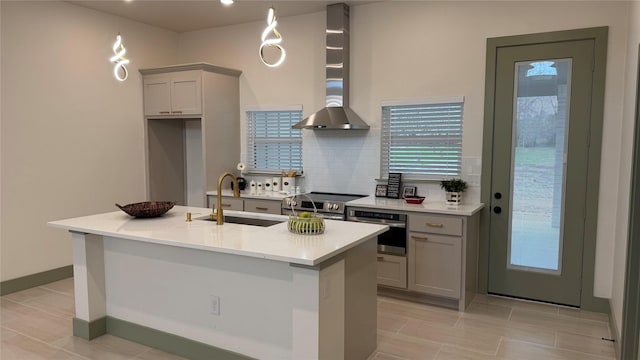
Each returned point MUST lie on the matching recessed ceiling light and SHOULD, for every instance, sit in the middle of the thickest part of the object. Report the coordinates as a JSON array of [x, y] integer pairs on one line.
[[227, 2]]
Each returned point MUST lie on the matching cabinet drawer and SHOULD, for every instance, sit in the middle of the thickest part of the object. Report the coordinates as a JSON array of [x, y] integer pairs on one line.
[[392, 270], [229, 203], [436, 224], [263, 206]]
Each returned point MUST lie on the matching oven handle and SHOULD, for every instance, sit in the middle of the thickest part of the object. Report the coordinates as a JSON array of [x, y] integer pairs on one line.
[[331, 217], [368, 221]]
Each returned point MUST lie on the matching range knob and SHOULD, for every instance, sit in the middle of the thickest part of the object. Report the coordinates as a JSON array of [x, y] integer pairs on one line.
[[335, 206], [294, 203]]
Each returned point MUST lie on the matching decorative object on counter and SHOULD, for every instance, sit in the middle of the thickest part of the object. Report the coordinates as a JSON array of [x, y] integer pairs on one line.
[[414, 199], [381, 190], [147, 209], [454, 189], [242, 184], [408, 191], [272, 42], [393, 185], [305, 223], [119, 70], [275, 184], [289, 184], [253, 187]]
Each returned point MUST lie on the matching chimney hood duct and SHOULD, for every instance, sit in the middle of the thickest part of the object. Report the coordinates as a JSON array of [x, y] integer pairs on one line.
[[336, 114]]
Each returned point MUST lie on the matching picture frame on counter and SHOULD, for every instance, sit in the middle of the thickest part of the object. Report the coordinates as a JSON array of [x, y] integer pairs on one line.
[[408, 191], [381, 190], [393, 185]]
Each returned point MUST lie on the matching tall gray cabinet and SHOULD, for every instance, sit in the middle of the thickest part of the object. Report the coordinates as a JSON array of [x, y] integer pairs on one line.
[[192, 129]]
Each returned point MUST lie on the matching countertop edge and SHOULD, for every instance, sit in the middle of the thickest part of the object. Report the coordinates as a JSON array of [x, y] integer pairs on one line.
[[89, 229], [372, 202]]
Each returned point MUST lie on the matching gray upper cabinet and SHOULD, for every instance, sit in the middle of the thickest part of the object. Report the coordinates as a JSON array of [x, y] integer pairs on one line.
[[174, 94], [192, 131]]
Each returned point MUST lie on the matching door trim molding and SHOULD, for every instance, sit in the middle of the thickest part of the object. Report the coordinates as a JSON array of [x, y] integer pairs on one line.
[[631, 306], [599, 34]]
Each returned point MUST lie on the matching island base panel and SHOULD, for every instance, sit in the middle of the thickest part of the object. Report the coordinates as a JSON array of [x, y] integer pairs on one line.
[[265, 309]]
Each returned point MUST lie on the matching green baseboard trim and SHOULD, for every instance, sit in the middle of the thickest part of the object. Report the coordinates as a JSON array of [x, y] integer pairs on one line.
[[89, 330], [33, 280], [595, 304], [167, 342], [615, 334]]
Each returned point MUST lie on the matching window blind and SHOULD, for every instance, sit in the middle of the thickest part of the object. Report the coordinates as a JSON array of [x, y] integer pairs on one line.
[[272, 144], [422, 141]]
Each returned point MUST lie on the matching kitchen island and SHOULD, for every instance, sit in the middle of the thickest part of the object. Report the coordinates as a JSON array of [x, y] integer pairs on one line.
[[203, 290]]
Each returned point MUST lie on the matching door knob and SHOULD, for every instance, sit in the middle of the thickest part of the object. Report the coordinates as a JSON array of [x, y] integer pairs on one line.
[[497, 209], [497, 195]]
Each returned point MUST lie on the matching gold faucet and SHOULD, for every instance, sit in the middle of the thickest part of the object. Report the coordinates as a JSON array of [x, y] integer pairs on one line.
[[236, 193]]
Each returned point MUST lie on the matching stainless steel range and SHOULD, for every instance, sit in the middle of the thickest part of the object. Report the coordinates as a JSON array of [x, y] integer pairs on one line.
[[328, 205]]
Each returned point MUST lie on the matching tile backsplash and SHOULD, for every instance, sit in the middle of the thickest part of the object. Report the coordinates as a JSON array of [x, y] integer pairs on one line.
[[341, 161], [348, 161]]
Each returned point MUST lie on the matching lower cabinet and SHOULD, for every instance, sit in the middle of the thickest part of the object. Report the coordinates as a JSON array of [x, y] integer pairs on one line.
[[250, 205], [263, 206], [435, 264], [441, 262], [392, 270]]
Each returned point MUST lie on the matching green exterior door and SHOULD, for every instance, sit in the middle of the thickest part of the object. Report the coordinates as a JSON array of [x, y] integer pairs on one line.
[[539, 170]]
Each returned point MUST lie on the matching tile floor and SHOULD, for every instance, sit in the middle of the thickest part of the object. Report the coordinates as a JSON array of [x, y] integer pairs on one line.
[[36, 324]]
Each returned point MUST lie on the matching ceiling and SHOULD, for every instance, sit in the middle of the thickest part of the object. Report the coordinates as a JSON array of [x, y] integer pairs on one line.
[[190, 15]]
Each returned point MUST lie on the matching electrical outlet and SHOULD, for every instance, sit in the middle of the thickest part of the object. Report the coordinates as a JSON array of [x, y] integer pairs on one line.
[[215, 305]]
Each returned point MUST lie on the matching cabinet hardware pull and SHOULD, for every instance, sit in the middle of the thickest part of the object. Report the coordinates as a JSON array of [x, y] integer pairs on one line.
[[226, 205], [380, 258], [165, 112], [177, 112], [435, 225], [261, 208], [419, 238]]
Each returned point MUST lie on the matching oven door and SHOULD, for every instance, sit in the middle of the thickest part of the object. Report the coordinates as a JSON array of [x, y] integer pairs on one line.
[[394, 241]]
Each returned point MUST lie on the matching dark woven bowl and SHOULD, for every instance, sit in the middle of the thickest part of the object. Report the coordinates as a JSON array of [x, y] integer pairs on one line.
[[147, 209]]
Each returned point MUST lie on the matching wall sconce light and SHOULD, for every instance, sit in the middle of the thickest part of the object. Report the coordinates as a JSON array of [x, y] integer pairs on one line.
[[226, 2], [119, 70], [273, 42]]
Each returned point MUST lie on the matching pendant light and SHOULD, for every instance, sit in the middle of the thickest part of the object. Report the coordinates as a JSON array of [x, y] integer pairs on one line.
[[272, 42], [119, 70]]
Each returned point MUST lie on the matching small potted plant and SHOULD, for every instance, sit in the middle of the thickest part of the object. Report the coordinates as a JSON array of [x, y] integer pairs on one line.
[[454, 189]]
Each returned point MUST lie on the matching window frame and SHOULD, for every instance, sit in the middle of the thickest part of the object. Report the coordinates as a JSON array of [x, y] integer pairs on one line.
[[385, 149], [250, 156]]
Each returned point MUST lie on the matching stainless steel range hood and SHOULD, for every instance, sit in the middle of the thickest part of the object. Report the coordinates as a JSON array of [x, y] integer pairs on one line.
[[336, 114]]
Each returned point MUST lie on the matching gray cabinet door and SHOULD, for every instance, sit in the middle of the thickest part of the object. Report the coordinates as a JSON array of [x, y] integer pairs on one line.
[[435, 264], [392, 270]]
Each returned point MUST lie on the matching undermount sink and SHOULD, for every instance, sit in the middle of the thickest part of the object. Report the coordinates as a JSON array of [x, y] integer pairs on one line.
[[244, 221]]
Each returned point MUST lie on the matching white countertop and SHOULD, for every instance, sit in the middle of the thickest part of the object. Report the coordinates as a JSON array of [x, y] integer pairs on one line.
[[267, 195], [273, 242], [436, 207]]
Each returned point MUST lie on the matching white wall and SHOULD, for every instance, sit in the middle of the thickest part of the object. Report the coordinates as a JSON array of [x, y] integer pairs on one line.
[[72, 136], [415, 49], [626, 158]]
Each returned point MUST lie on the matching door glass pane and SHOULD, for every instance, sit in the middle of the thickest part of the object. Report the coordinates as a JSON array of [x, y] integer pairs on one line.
[[539, 147]]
